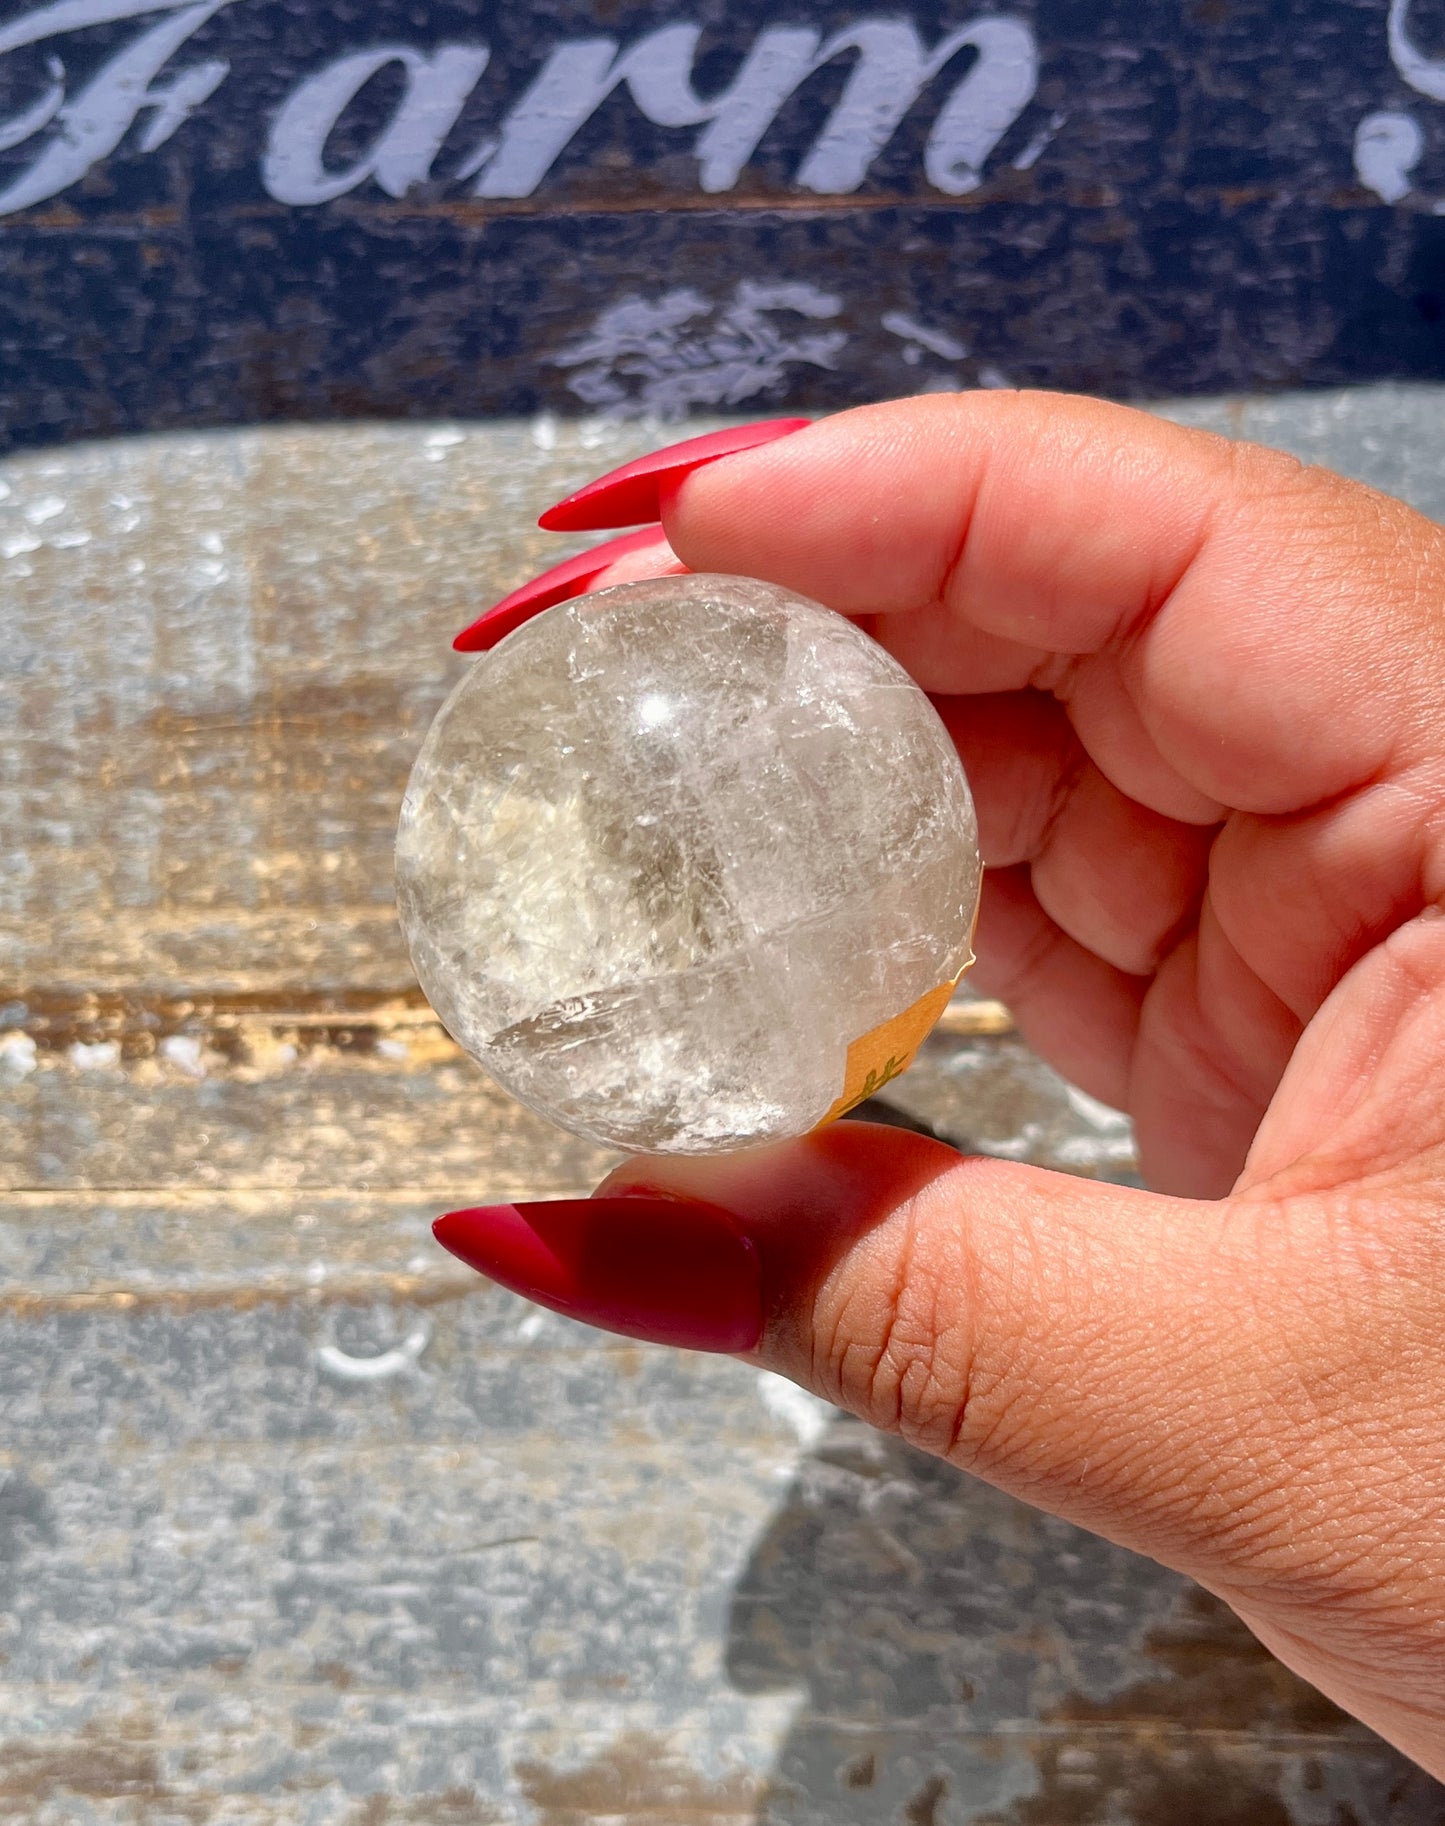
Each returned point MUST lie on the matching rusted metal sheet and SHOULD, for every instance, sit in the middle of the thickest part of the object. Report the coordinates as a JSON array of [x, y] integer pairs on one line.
[[298, 1524], [219, 211]]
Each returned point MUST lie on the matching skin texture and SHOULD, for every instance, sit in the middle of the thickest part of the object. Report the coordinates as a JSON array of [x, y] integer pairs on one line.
[[1200, 693]]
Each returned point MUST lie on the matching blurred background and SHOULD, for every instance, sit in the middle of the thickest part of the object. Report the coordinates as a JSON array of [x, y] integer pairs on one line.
[[297, 1524]]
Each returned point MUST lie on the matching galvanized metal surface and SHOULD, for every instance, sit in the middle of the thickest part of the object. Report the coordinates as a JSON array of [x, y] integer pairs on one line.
[[297, 1524]]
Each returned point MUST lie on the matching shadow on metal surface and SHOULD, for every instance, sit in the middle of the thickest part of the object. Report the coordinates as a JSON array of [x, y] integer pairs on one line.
[[967, 1661]]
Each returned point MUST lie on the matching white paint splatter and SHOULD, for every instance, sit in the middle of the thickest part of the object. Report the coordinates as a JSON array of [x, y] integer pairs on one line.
[[1039, 144], [183, 1050], [438, 443], [1387, 149], [1101, 1116], [665, 355], [1426, 75], [17, 1055], [937, 342], [395, 1362], [807, 1415]]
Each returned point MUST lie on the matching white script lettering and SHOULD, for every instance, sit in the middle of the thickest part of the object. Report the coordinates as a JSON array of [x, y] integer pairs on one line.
[[95, 121], [437, 87], [891, 70], [1424, 74]]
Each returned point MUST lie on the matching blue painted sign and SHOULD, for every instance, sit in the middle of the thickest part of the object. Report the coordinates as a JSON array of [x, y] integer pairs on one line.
[[223, 210]]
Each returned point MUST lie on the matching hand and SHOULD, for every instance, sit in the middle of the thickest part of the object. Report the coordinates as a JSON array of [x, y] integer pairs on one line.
[[1200, 694]]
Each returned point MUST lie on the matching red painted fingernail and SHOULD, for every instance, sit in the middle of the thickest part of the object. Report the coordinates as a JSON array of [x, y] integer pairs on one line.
[[665, 1269], [570, 578], [632, 493]]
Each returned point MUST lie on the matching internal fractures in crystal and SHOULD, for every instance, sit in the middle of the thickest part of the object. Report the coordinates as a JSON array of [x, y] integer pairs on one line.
[[668, 850]]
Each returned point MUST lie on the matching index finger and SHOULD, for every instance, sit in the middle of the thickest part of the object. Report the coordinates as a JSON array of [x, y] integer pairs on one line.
[[1269, 627]]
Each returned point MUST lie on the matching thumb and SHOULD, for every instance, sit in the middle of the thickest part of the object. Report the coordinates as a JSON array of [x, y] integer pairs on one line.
[[1247, 1391], [1093, 1349]]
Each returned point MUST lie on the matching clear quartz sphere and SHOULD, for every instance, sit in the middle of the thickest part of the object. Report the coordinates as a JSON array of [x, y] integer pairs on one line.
[[688, 865]]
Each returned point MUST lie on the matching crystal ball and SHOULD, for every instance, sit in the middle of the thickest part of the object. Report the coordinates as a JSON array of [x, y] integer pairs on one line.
[[688, 865]]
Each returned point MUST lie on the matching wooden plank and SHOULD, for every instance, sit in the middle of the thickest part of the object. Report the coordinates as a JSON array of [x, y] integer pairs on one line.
[[654, 209]]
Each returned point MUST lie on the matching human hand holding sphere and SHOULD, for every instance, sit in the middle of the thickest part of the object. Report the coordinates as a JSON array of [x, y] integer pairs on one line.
[[1199, 692]]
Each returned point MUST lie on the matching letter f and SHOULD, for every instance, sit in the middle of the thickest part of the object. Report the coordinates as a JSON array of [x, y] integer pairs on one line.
[[95, 121]]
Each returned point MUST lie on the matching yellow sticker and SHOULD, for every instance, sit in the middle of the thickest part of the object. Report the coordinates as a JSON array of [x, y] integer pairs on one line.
[[878, 1056]]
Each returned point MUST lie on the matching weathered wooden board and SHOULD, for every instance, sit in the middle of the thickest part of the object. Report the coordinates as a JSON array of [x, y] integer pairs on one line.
[[299, 1524], [219, 211]]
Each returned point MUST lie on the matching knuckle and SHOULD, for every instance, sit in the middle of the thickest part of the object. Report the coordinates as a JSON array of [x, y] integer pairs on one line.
[[898, 1348]]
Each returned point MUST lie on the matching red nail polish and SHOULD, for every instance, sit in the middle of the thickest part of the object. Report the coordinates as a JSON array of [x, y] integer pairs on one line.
[[668, 1270], [570, 578], [632, 493]]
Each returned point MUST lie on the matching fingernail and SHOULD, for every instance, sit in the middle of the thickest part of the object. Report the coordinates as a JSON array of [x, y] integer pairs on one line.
[[669, 1270], [570, 578], [633, 493]]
